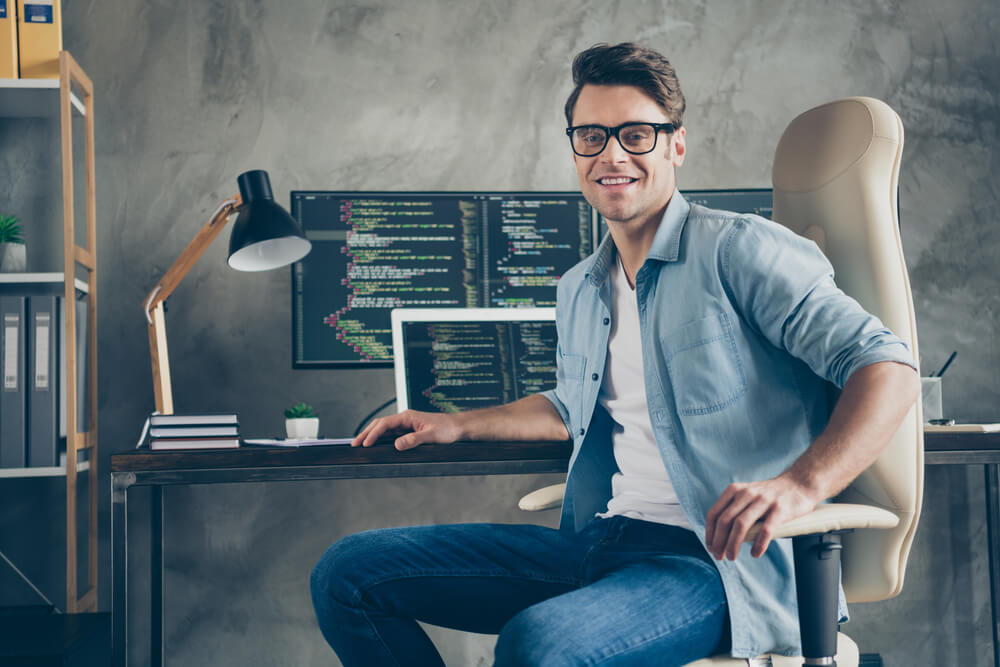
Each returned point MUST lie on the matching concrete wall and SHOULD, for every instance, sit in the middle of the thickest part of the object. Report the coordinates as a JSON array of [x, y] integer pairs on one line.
[[457, 96]]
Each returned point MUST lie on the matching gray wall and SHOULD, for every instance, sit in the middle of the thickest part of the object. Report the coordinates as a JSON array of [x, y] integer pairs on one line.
[[456, 96]]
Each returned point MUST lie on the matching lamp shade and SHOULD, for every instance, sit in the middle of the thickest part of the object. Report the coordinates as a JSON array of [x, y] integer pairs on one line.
[[264, 236]]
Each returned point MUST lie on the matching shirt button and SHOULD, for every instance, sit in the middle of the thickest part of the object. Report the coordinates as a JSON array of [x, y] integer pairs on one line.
[[607, 320], [594, 377], [580, 432]]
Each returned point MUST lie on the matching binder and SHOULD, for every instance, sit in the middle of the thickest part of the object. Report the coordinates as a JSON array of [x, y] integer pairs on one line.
[[39, 38], [43, 378], [82, 415], [8, 39], [13, 404]]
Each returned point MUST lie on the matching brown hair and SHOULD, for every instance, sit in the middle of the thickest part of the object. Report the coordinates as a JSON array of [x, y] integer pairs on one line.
[[628, 64]]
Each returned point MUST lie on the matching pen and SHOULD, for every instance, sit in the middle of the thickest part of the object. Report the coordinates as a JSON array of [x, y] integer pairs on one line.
[[946, 364]]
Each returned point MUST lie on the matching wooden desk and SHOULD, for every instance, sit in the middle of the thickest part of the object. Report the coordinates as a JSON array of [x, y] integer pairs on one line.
[[257, 464], [260, 464]]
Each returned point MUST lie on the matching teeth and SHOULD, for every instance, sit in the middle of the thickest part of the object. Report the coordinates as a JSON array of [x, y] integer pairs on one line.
[[621, 180]]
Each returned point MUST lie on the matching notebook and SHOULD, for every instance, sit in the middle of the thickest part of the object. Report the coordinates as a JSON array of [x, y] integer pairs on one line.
[[458, 359]]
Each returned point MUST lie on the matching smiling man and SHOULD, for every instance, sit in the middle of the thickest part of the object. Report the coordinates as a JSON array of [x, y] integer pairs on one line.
[[694, 348]]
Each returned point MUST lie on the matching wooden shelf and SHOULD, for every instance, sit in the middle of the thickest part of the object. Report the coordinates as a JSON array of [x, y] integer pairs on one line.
[[52, 471], [55, 100], [42, 282], [35, 98]]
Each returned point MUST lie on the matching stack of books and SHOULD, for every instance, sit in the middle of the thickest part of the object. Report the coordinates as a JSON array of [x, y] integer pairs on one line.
[[202, 431]]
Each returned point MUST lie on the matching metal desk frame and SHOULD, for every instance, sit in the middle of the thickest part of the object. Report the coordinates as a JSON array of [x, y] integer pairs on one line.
[[942, 448], [159, 469], [252, 464]]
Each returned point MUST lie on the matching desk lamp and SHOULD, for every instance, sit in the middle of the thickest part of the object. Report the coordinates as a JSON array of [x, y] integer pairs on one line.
[[264, 237]]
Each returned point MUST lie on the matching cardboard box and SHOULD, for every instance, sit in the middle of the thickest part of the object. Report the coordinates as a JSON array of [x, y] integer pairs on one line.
[[8, 39], [39, 38]]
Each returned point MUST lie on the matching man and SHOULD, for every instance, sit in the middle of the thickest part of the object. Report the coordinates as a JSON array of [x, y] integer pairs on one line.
[[693, 347]]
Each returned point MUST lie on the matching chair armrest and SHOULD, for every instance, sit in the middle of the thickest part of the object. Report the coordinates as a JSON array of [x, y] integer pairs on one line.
[[543, 499], [832, 516]]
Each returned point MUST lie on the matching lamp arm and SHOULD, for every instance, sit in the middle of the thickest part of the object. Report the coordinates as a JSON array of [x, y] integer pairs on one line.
[[190, 255], [153, 305]]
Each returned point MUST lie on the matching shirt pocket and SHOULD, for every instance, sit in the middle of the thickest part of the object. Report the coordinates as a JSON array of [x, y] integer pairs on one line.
[[704, 366], [572, 368]]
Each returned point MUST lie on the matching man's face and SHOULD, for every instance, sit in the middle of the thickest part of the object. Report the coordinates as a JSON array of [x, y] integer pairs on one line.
[[626, 188]]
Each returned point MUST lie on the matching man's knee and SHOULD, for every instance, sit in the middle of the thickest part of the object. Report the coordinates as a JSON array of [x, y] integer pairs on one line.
[[528, 640], [338, 573]]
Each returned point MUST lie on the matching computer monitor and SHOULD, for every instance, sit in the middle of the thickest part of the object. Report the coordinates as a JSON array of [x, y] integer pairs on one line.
[[375, 251], [746, 200], [457, 359]]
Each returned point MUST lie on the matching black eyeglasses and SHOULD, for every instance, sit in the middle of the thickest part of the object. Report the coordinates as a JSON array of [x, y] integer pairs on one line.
[[635, 138]]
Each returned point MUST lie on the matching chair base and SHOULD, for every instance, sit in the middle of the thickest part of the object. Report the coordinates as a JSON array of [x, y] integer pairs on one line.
[[847, 656]]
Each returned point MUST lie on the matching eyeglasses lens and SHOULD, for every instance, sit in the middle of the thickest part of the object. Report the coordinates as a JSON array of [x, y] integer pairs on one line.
[[635, 138]]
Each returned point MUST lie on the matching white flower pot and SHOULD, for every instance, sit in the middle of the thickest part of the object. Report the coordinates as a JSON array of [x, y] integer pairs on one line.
[[13, 257], [302, 429]]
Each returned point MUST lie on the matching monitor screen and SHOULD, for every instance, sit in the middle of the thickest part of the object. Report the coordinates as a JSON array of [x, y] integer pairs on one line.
[[457, 359], [748, 200], [375, 251]]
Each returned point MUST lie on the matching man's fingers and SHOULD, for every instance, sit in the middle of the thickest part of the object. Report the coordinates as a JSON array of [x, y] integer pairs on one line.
[[724, 524], [740, 525], [712, 517]]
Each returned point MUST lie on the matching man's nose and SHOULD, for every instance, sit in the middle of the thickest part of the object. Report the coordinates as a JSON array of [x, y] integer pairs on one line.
[[614, 152]]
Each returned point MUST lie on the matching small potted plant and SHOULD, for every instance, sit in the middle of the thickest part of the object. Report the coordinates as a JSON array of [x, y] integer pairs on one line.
[[13, 255], [301, 422]]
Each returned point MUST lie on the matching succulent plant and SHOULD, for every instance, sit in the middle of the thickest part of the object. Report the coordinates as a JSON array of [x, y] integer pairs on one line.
[[10, 229], [300, 411]]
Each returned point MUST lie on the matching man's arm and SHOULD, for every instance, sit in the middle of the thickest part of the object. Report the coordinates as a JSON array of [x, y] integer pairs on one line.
[[871, 407], [531, 418]]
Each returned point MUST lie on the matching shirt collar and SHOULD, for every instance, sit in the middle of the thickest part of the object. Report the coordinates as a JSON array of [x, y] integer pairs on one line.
[[666, 242]]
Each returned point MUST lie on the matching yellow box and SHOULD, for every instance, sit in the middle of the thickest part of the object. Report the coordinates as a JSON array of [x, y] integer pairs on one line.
[[39, 37], [8, 39]]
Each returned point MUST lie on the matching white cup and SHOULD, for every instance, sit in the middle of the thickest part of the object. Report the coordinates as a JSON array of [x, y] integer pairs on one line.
[[930, 392]]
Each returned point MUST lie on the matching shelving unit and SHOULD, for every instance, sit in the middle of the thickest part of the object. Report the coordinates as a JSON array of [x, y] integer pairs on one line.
[[52, 98]]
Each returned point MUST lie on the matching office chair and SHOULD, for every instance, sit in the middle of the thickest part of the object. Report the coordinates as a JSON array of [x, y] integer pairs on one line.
[[835, 177]]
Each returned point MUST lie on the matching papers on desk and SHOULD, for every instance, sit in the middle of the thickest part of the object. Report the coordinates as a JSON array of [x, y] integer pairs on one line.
[[962, 428], [268, 442]]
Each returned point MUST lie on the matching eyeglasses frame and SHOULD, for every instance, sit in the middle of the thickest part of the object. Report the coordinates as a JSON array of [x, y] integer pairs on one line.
[[669, 128]]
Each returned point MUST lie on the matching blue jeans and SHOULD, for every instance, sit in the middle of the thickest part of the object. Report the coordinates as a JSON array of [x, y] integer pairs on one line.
[[619, 592]]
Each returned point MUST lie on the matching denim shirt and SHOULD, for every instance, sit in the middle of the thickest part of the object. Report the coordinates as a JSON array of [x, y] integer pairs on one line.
[[741, 326]]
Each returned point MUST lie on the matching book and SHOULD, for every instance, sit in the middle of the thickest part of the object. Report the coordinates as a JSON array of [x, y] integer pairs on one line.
[[221, 419], [196, 431], [193, 431], [193, 443]]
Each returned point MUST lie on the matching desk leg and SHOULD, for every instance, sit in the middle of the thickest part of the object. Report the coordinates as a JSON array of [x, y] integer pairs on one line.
[[119, 569], [993, 537], [156, 576]]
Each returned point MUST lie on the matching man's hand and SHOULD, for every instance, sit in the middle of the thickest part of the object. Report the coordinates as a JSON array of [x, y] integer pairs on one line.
[[741, 505], [420, 427]]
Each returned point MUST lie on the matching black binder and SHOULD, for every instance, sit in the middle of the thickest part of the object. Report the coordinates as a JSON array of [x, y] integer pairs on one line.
[[43, 380], [13, 404]]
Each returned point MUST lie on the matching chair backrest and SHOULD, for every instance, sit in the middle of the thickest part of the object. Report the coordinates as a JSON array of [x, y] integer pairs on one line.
[[836, 172]]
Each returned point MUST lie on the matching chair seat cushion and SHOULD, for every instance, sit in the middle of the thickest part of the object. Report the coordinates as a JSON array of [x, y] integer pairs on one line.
[[847, 656]]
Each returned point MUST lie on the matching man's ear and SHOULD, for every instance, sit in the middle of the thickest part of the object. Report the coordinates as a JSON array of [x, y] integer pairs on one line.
[[678, 146]]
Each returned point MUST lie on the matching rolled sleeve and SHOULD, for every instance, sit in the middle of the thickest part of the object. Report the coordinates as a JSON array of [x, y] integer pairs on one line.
[[784, 287]]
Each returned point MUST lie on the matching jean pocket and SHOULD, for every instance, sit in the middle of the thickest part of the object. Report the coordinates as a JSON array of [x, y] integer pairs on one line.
[[704, 366]]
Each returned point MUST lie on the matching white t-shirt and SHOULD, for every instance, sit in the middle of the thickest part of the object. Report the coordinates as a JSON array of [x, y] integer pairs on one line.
[[642, 489]]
